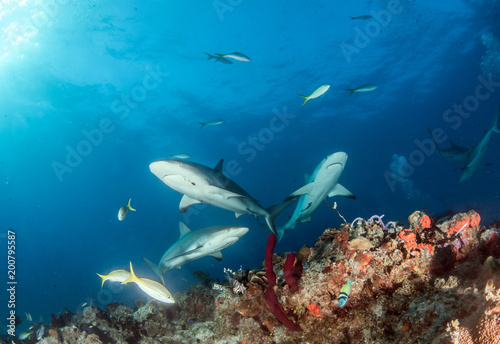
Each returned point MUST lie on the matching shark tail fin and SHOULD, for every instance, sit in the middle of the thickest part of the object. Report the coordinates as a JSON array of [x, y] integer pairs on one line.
[[128, 205], [274, 211], [279, 233], [154, 267], [202, 124], [496, 121], [305, 99]]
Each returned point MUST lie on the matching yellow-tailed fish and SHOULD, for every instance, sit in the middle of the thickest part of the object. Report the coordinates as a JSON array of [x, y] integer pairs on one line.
[[123, 210], [154, 289], [219, 59], [344, 293], [362, 88], [28, 316], [317, 93], [115, 276]]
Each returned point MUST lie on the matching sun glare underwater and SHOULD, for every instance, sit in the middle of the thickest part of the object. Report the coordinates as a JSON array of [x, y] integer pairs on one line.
[[139, 137]]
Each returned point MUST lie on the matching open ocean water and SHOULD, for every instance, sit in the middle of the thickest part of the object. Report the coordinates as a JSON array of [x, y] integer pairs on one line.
[[92, 92]]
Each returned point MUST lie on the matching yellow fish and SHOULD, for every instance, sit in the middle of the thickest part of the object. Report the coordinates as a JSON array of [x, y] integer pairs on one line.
[[154, 289], [123, 210]]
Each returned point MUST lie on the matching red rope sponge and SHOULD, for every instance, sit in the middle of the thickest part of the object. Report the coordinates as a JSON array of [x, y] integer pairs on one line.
[[272, 299], [271, 276]]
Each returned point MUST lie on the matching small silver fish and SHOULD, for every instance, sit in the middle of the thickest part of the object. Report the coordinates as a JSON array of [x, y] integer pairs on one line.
[[364, 17], [235, 56], [180, 156], [362, 88], [217, 122]]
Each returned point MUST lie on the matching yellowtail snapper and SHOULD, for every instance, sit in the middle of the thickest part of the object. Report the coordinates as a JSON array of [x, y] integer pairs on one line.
[[317, 93]]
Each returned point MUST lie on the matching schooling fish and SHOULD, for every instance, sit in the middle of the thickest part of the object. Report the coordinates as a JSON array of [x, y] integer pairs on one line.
[[217, 122], [154, 289], [115, 276], [362, 88], [344, 293], [364, 17], [317, 93], [123, 210]]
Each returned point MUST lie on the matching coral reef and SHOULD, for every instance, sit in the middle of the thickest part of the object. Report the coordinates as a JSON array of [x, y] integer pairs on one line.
[[429, 282]]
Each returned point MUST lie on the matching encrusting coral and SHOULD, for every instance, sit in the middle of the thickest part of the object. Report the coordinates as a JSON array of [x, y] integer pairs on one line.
[[432, 282]]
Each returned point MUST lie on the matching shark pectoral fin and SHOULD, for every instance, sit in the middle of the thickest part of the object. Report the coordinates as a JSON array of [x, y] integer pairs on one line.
[[217, 255], [237, 215], [186, 202], [341, 191], [308, 188]]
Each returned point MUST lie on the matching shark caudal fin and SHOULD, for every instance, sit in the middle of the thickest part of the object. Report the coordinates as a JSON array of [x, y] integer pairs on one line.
[[496, 123], [155, 269], [305, 99], [274, 211]]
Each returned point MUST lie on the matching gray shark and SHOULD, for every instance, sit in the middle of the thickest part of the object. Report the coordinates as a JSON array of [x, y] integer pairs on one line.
[[471, 156], [323, 182], [202, 184], [454, 153], [476, 153], [192, 245]]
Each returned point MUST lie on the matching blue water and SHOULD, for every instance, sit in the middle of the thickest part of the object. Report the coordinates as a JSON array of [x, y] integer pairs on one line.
[[87, 68]]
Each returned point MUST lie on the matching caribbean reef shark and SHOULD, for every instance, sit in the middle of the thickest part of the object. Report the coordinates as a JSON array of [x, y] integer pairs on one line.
[[202, 184], [323, 182], [192, 245], [472, 156]]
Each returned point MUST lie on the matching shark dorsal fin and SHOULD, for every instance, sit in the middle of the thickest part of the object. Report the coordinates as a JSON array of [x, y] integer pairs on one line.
[[218, 168], [183, 229]]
